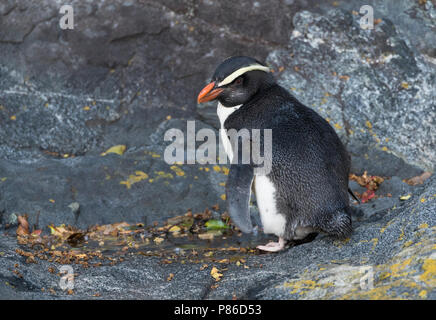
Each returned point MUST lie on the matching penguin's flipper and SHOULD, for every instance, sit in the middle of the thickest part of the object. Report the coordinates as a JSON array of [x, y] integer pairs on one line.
[[238, 193]]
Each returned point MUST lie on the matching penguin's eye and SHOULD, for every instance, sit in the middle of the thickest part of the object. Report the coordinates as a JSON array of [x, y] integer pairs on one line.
[[237, 81]]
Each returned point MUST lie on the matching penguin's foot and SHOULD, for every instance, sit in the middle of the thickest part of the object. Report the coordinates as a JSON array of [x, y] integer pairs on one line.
[[273, 246]]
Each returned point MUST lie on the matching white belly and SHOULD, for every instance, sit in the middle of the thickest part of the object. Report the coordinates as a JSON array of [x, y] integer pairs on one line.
[[272, 221], [223, 114]]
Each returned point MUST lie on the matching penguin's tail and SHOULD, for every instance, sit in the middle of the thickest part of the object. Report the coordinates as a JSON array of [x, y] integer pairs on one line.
[[339, 224]]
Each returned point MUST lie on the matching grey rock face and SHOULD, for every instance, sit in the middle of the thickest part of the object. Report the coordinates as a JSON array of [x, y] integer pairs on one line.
[[370, 85], [130, 70]]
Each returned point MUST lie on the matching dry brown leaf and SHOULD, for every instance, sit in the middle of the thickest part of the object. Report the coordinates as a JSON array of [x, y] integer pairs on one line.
[[36, 233], [418, 179], [206, 236], [158, 240], [23, 227], [75, 238], [344, 77], [370, 182], [216, 274], [175, 220]]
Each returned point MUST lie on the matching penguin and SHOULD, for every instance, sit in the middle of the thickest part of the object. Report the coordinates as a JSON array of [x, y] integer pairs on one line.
[[306, 190]]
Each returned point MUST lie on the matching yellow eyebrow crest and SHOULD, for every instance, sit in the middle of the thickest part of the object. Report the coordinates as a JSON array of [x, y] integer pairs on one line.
[[241, 71]]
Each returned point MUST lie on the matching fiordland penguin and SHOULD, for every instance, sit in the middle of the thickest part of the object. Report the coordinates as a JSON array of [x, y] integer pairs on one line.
[[306, 190]]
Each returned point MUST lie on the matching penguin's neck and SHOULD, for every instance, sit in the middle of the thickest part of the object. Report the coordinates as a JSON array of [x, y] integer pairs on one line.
[[223, 114]]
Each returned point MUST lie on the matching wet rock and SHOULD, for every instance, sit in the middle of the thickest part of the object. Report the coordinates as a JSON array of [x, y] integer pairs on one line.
[[389, 258], [395, 186], [373, 209], [388, 197], [116, 188], [380, 163]]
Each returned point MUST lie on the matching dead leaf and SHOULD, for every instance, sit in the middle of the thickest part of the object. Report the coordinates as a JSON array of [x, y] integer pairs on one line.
[[175, 220], [370, 182], [216, 274], [175, 229], [118, 149], [23, 227], [405, 197], [345, 77], [206, 236], [75, 239], [367, 195], [204, 266], [36, 233], [61, 232], [418, 179], [80, 255], [158, 240]]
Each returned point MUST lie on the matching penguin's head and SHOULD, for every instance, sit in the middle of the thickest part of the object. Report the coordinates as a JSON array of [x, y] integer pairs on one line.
[[236, 81]]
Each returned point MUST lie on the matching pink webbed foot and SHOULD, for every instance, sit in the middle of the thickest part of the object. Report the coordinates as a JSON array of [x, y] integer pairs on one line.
[[273, 246]]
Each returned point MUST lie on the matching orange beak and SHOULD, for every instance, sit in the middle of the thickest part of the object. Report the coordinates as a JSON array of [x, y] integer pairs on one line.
[[207, 94]]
